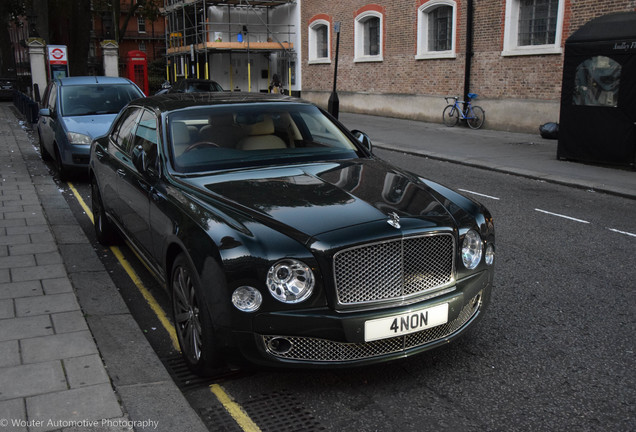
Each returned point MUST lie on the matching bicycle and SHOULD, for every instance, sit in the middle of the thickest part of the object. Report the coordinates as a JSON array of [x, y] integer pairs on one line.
[[474, 115]]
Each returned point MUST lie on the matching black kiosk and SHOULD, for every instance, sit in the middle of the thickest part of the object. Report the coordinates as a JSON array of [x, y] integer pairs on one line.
[[598, 97]]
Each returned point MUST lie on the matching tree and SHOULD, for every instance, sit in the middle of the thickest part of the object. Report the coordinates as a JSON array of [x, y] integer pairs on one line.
[[10, 10], [124, 10]]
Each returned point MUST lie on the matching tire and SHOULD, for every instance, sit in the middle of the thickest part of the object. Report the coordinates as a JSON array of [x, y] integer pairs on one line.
[[477, 118], [43, 153], [192, 320], [105, 231], [62, 170], [450, 116]]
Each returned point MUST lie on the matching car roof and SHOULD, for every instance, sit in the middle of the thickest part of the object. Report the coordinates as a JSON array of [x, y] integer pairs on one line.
[[174, 101], [88, 80]]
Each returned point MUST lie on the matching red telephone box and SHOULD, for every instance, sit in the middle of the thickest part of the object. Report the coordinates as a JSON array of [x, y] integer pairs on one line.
[[137, 69]]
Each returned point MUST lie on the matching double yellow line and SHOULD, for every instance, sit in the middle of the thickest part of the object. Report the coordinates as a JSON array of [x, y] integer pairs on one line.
[[235, 410]]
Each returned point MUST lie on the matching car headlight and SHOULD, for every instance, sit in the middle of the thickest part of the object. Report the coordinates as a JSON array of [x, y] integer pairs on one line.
[[290, 281], [471, 250], [78, 138]]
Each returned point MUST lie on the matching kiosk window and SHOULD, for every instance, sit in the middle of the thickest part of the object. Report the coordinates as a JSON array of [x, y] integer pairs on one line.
[[596, 82]]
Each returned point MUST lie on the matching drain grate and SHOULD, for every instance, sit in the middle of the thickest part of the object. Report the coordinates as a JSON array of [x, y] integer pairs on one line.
[[266, 412], [186, 380], [218, 420]]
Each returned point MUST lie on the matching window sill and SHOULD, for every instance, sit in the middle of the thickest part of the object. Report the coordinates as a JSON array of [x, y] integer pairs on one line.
[[368, 59], [535, 50], [436, 55], [319, 61]]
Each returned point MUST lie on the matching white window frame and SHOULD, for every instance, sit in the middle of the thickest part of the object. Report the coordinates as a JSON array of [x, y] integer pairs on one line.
[[358, 55], [422, 31], [511, 32], [141, 22], [312, 39]]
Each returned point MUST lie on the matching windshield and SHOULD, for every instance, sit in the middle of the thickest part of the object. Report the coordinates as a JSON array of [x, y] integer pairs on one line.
[[223, 136], [91, 99]]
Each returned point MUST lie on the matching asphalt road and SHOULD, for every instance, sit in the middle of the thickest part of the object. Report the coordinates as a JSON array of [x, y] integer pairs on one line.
[[554, 352]]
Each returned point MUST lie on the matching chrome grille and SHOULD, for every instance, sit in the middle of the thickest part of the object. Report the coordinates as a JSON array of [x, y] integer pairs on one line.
[[323, 350], [394, 269]]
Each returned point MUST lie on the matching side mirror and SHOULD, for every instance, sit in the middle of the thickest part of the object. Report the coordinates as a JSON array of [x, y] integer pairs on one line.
[[140, 159], [363, 139], [45, 112]]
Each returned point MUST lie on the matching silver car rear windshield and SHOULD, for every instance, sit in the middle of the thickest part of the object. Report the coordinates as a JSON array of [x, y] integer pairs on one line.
[[204, 139]]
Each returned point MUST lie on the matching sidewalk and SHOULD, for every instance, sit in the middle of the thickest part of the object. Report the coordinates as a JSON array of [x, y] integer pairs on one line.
[[521, 154], [62, 319]]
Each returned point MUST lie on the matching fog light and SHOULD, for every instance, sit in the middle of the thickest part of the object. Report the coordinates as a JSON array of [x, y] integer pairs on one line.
[[490, 254], [279, 345], [247, 299]]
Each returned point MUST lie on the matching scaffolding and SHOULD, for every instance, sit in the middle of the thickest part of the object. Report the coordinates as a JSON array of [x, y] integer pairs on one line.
[[215, 37]]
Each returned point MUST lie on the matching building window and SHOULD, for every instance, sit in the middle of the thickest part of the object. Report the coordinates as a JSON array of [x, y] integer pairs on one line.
[[436, 29], [319, 42], [533, 27], [141, 24], [368, 36], [142, 46]]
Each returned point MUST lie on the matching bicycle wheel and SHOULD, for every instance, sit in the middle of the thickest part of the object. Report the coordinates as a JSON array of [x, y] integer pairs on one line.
[[450, 116], [476, 118]]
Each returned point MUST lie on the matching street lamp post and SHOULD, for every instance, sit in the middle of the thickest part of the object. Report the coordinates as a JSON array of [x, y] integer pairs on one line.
[[334, 102]]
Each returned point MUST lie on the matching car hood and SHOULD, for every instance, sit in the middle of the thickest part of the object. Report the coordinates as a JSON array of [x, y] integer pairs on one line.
[[91, 125], [324, 197]]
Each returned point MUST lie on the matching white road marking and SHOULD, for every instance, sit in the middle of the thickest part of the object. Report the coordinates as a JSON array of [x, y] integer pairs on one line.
[[562, 216], [479, 194], [622, 232]]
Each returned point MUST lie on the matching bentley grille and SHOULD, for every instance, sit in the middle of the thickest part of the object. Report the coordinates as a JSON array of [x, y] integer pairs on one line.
[[394, 269], [323, 350]]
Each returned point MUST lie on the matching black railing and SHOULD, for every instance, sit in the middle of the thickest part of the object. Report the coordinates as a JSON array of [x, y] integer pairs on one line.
[[27, 106]]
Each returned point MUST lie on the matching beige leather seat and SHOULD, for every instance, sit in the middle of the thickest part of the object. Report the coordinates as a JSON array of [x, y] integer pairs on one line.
[[180, 137], [261, 137]]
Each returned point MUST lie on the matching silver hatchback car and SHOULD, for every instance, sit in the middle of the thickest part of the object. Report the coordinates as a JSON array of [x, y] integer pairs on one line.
[[74, 111]]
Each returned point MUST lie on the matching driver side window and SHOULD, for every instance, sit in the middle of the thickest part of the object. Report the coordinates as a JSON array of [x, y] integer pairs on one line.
[[146, 136], [122, 132]]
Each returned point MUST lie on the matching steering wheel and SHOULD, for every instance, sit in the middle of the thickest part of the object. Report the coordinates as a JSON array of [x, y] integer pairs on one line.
[[200, 144]]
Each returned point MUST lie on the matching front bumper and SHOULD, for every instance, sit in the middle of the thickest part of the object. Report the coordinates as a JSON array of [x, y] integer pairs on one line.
[[325, 338]]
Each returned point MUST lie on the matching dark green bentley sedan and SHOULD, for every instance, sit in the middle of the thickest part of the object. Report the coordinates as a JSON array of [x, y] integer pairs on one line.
[[282, 239]]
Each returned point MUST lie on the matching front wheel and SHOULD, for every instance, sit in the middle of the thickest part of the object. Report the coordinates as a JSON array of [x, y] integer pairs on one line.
[[450, 116], [477, 117], [192, 319]]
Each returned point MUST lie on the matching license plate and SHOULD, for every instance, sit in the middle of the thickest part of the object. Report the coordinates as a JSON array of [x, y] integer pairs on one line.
[[410, 322]]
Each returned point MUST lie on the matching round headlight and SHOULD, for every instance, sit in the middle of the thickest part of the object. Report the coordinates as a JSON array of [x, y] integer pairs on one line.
[[247, 299], [489, 258], [290, 281], [471, 250]]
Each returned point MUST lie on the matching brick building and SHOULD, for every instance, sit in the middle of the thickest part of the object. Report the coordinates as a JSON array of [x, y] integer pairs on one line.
[[401, 57]]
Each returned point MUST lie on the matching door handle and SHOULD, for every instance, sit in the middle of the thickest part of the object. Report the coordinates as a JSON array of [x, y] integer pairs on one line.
[[121, 172]]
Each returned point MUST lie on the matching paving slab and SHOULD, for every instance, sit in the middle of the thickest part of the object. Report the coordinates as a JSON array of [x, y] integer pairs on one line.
[[25, 327], [85, 371], [46, 304], [59, 346], [68, 322], [61, 409], [9, 353], [34, 379]]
